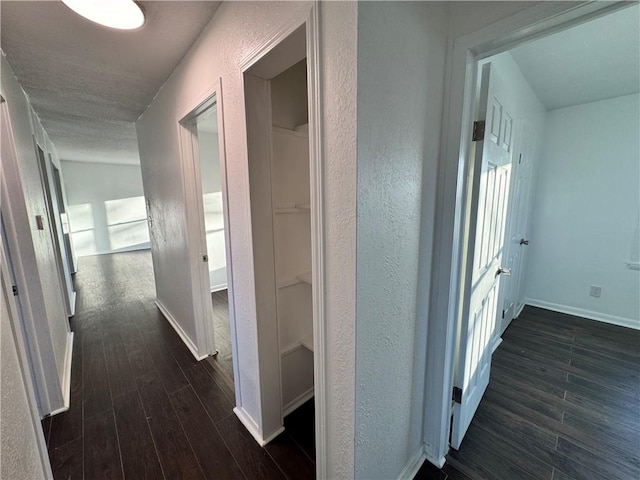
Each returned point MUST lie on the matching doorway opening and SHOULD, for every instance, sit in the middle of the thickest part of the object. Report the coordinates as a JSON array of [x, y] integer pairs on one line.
[[215, 232], [533, 168], [64, 221], [204, 139]]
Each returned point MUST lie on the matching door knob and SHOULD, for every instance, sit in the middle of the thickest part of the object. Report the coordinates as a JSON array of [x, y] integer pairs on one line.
[[503, 271], [524, 242]]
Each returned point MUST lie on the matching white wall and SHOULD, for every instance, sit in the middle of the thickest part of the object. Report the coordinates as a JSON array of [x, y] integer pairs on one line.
[[401, 61], [106, 207], [234, 32], [585, 211], [39, 282]]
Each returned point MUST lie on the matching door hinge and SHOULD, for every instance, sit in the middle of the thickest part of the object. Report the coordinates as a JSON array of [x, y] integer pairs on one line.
[[457, 395], [14, 289], [520, 159], [503, 313], [478, 131]]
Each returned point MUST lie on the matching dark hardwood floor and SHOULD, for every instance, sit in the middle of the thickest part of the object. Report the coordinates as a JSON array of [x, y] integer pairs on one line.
[[562, 403], [142, 407], [223, 362]]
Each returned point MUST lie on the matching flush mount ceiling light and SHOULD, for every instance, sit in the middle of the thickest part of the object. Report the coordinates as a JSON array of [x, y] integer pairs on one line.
[[120, 14]]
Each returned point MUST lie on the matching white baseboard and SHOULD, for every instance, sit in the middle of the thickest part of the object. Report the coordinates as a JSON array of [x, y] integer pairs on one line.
[[438, 462], [74, 296], [66, 378], [142, 246], [252, 427], [298, 401], [579, 312], [496, 344], [413, 464], [181, 333]]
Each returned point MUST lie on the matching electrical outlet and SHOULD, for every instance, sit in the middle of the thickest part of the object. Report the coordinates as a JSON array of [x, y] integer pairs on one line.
[[595, 291]]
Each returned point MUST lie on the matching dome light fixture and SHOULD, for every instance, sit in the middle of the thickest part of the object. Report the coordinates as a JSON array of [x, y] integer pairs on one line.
[[118, 14]]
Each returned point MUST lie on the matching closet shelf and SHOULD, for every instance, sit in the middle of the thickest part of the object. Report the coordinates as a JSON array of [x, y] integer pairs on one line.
[[307, 342], [302, 278], [296, 208], [305, 277]]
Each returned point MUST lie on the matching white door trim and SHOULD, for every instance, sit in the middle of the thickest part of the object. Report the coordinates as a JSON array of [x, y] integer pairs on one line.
[[25, 371], [308, 16], [204, 344], [463, 55]]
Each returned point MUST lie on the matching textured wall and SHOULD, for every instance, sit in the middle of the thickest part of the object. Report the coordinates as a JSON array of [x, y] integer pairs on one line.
[[586, 210], [235, 31], [338, 43], [43, 294], [401, 58], [19, 455]]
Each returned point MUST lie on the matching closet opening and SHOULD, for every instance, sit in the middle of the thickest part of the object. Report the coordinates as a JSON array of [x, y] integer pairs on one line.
[[277, 99]]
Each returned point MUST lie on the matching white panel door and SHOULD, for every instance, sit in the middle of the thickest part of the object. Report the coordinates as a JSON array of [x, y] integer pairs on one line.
[[489, 197], [517, 237]]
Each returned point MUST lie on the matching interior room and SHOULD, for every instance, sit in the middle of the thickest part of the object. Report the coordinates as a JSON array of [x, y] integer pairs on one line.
[[582, 212], [566, 205]]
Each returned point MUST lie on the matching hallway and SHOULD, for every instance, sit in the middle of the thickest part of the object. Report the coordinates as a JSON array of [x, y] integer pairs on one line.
[[141, 406]]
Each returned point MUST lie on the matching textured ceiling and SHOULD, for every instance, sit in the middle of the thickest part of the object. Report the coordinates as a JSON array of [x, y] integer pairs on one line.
[[593, 61], [88, 83]]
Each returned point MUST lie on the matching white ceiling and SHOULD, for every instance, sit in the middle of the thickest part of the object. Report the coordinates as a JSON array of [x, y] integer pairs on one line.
[[593, 61], [88, 83]]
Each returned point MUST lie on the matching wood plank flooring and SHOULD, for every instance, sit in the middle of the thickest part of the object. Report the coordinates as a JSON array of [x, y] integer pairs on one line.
[[562, 403], [142, 407], [223, 362]]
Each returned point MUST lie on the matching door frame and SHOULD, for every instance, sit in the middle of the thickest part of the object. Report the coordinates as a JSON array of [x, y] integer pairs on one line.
[[53, 219], [450, 242], [51, 391], [26, 373], [62, 209], [204, 345], [307, 17]]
